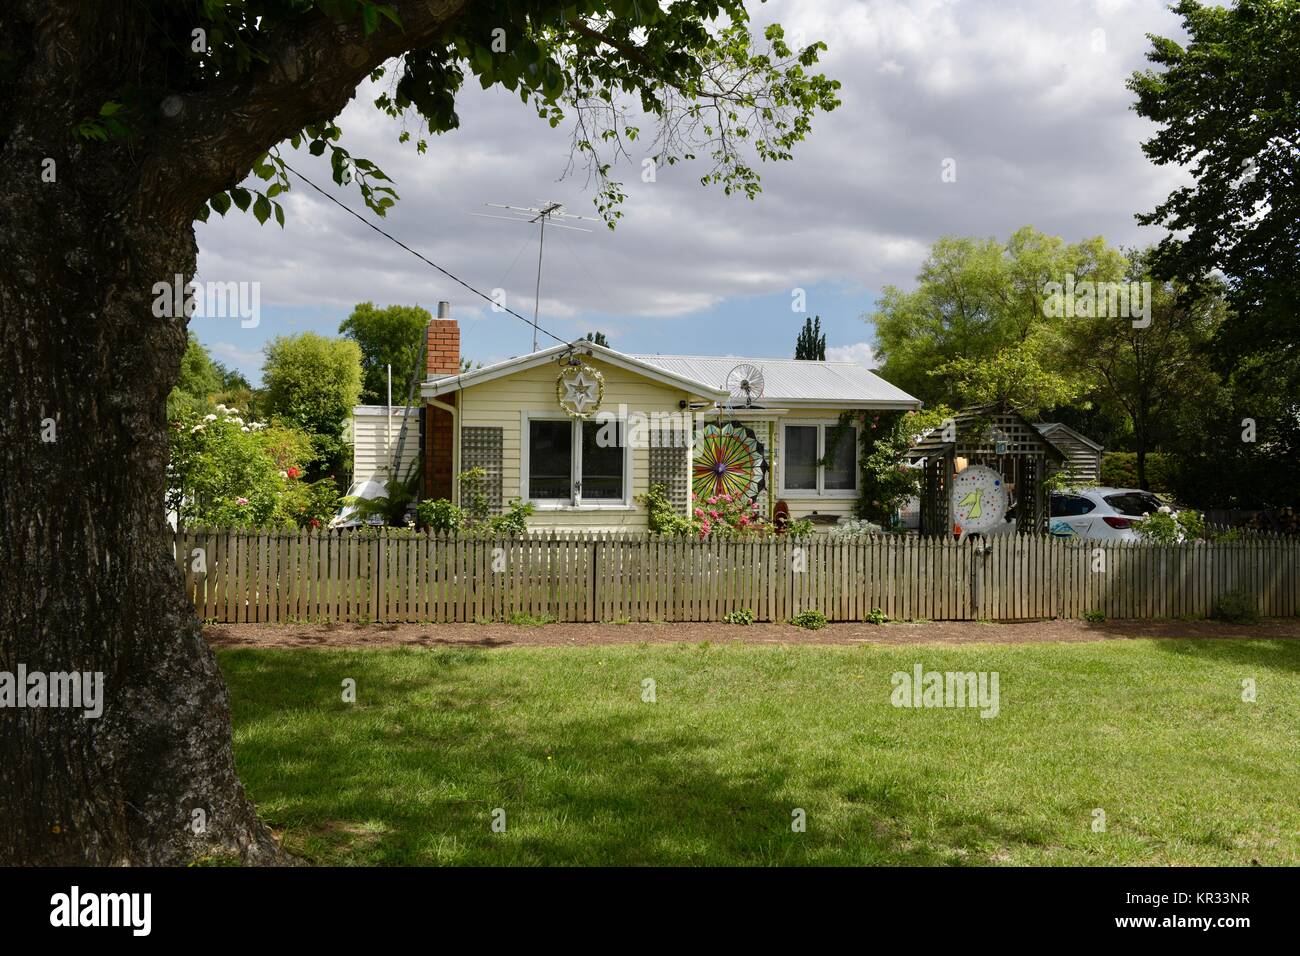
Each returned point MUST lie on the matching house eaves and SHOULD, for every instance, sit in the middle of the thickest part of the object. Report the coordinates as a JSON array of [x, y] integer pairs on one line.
[[435, 387]]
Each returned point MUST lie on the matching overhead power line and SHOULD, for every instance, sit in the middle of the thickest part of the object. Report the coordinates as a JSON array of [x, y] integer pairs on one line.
[[391, 238]]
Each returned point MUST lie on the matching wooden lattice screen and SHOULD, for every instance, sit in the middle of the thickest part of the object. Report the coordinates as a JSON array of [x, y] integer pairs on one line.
[[935, 516], [1031, 499]]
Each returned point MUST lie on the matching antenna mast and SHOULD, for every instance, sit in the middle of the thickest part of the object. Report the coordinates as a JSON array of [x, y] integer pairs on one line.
[[549, 211]]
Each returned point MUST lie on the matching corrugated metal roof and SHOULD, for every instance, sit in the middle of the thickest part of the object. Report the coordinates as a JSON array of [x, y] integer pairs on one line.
[[790, 380]]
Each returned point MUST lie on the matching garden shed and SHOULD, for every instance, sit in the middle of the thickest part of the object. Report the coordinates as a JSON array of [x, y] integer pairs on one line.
[[997, 438], [1083, 455]]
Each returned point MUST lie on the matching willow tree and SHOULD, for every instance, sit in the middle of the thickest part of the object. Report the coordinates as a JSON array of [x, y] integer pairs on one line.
[[122, 122]]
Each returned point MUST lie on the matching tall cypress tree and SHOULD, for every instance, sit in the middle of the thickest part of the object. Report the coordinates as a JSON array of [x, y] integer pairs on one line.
[[811, 344]]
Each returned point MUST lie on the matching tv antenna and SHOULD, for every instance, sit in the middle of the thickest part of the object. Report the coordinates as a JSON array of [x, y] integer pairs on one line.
[[548, 211]]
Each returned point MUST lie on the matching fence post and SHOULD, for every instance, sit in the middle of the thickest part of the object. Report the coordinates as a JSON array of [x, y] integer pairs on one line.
[[978, 555], [378, 572], [594, 550]]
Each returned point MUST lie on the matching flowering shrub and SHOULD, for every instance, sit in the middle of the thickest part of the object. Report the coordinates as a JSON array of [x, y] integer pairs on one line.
[[722, 515], [799, 528], [309, 504], [1167, 526], [855, 528], [226, 471]]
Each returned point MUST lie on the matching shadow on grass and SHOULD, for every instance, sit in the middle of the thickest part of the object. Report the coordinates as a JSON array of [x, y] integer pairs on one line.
[[1273, 653], [411, 774]]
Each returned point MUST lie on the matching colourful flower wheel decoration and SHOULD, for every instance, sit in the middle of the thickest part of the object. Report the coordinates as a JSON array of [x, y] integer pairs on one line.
[[729, 459]]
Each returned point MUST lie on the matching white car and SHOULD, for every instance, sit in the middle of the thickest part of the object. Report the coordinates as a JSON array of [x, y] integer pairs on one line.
[[347, 518], [1107, 513]]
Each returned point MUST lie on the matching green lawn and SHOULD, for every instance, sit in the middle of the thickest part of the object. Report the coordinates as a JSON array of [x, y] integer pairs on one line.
[[1153, 732]]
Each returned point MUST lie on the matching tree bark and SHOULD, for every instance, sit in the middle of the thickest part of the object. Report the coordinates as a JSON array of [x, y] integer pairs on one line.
[[87, 578], [88, 581]]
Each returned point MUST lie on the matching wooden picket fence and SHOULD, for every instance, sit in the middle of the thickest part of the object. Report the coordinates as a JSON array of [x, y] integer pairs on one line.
[[393, 576], [381, 576]]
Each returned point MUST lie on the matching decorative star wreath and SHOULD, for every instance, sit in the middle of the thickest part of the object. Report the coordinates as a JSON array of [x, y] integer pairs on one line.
[[729, 459], [580, 390]]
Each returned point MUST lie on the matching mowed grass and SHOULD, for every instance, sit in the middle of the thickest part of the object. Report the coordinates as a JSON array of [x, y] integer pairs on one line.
[[1153, 733]]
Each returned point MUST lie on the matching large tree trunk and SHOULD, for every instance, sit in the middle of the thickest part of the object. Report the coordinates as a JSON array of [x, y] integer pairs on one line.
[[88, 582]]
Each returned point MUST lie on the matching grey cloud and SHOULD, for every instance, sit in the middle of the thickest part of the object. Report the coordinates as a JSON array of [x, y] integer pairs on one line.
[[1038, 123]]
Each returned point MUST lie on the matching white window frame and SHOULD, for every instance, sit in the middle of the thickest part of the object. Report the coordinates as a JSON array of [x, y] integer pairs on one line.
[[575, 502], [824, 427]]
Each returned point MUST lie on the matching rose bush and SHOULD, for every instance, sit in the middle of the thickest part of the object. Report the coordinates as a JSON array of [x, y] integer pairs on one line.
[[226, 471]]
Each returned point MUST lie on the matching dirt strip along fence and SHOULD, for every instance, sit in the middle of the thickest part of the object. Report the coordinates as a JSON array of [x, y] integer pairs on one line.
[[242, 577]]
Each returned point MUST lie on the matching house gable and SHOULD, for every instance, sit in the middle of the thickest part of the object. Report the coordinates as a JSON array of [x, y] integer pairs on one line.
[[587, 352]]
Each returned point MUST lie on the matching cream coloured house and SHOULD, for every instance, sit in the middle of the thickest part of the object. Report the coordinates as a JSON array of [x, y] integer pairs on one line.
[[581, 430]]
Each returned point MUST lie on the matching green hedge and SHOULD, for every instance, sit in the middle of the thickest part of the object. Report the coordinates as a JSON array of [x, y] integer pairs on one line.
[[1119, 470]]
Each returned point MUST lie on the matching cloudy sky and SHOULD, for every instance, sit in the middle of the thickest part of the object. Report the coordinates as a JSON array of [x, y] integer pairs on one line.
[[1027, 97]]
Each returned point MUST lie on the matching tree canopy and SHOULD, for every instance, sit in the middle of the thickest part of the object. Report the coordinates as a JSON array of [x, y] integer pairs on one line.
[[388, 336], [1228, 108], [692, 68], [204, 381], [975, 298], [1080, 333], [312, 382], [199, 382]]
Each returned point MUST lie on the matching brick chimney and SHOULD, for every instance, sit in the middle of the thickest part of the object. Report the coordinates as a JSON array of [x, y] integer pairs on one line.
[[444, 343], [443, 358]]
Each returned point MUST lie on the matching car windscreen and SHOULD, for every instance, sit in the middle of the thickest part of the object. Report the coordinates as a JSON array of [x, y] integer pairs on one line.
[[1135, 503]]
